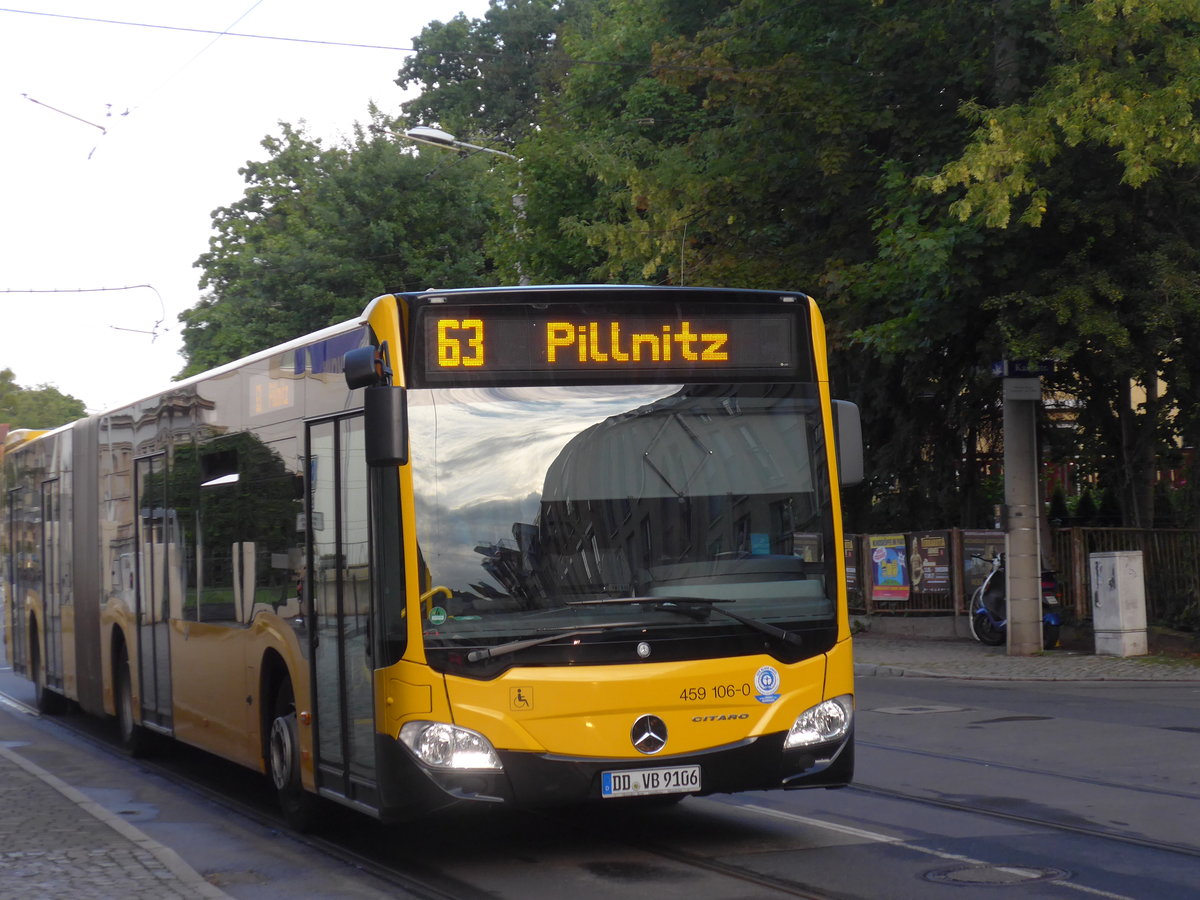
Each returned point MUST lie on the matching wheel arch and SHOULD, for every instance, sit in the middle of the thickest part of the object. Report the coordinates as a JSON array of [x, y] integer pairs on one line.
[[116, 645], [115, 626], [273, 674], [33, 642], [33, 637]]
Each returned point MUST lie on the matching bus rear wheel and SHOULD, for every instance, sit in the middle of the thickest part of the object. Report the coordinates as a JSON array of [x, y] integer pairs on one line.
[[45, 700], [283, 759], [134, 739]]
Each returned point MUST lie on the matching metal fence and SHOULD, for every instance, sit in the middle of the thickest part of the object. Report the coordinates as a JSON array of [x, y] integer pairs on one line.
[[1170, 558], [924, 573], [1170, 561]]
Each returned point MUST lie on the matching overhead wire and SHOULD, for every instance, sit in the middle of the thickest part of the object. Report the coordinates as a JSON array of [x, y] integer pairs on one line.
[[153, 332], [217, 33], [354, 45], [228, 32], [216, 37], [648, 66]]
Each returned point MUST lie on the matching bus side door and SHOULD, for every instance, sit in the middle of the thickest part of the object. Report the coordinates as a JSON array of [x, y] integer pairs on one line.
[[339, 572]]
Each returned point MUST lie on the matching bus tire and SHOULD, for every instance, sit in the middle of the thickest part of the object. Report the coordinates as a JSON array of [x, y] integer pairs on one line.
[[283, 761], [46, 701], [135, 740]]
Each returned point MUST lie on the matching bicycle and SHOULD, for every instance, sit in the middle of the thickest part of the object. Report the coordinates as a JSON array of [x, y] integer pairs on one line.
[[989, 605]]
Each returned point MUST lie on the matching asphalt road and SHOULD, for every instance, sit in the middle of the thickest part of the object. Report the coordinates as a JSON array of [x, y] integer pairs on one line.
[[963, 789]]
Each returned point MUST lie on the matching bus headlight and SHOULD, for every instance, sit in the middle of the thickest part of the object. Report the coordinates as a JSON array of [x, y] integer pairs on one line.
[[443, 746], [827, 721]]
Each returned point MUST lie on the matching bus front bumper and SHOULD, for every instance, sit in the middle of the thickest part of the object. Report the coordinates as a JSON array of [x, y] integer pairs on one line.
[[543, 779]]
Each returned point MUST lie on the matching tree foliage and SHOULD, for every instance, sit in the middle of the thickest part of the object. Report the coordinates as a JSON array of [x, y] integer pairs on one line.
[[840, 148], [1125, 77], [486, 78], [959, 183], [1100, 156], [319, 231], [44, 406], [773, 145]]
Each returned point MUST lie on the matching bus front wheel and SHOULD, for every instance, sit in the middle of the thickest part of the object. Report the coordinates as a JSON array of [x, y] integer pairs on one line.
[[297, 804]]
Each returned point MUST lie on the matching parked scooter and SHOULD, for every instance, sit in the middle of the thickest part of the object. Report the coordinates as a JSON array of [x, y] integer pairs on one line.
[[989, 607], [1052, 610]]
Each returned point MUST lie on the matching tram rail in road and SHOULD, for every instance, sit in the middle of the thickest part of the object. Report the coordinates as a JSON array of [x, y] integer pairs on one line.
[[364, 845], [710, 844]]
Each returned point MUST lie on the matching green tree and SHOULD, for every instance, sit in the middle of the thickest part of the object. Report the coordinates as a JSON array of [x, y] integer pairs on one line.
[[768, 144], [1059, 513], [483, 79], [1085, 510], [1030, 192], [319, 231], [1101, 155], [488, 81], [773, 144], [44, 406]]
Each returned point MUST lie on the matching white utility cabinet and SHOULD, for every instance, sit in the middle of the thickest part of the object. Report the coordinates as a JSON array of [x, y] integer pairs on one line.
[[1118, 602]]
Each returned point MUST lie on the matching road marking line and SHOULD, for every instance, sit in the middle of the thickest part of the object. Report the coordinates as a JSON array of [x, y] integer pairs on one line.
[[880, 838], [8, 701]]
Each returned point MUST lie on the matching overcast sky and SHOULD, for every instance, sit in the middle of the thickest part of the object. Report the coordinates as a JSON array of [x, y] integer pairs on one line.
[[117, 142]]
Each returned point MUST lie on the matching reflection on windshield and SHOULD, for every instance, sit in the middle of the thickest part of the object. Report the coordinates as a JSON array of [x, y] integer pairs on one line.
[[530, 500]]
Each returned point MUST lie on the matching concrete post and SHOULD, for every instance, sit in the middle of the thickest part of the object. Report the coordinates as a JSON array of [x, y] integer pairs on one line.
[[1023, 568]]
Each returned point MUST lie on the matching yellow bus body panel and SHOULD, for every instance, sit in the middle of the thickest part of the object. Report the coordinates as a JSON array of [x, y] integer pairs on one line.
[[588, 711], [214, 658], [839, 670], [820, 355], [409, 692], [225, 661]]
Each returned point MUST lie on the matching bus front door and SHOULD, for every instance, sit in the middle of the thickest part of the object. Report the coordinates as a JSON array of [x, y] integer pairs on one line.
[[339, 566]]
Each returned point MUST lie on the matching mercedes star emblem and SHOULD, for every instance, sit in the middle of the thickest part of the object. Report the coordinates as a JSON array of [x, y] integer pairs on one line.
[[649, 734]]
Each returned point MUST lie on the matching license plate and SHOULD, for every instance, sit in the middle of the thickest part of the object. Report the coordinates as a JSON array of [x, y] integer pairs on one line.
[[641, 782]]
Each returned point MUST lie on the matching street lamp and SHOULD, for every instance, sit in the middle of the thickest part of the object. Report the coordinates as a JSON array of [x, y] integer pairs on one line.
[[424, 134]]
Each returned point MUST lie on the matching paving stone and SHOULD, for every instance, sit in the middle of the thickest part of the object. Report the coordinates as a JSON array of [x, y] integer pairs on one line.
[[58, 843]]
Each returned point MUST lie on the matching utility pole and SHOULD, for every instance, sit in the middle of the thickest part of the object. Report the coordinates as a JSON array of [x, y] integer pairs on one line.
[[1023, 568]]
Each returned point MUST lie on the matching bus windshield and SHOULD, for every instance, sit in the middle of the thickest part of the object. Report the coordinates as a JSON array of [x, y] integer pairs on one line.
[[625, 512]]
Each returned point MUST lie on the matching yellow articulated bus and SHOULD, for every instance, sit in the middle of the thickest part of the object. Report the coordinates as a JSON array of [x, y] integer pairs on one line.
[[532, 545]]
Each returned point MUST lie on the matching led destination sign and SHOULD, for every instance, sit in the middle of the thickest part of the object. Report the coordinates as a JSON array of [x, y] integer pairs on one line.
[[525, 343]]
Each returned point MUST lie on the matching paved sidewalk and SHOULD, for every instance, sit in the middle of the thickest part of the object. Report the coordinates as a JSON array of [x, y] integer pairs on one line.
[[55, 842], [892, 655]]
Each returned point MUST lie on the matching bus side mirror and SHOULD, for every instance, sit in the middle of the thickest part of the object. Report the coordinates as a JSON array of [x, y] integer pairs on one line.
[[385, 421], [385, 408], [363, 367], [847, 426]]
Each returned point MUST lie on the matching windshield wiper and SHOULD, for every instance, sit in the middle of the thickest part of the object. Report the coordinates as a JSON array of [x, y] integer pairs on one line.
[[526, 643], [682, 604]]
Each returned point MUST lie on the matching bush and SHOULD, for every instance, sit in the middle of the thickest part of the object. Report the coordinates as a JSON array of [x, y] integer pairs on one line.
[[1059, 513], [1085, 510]]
